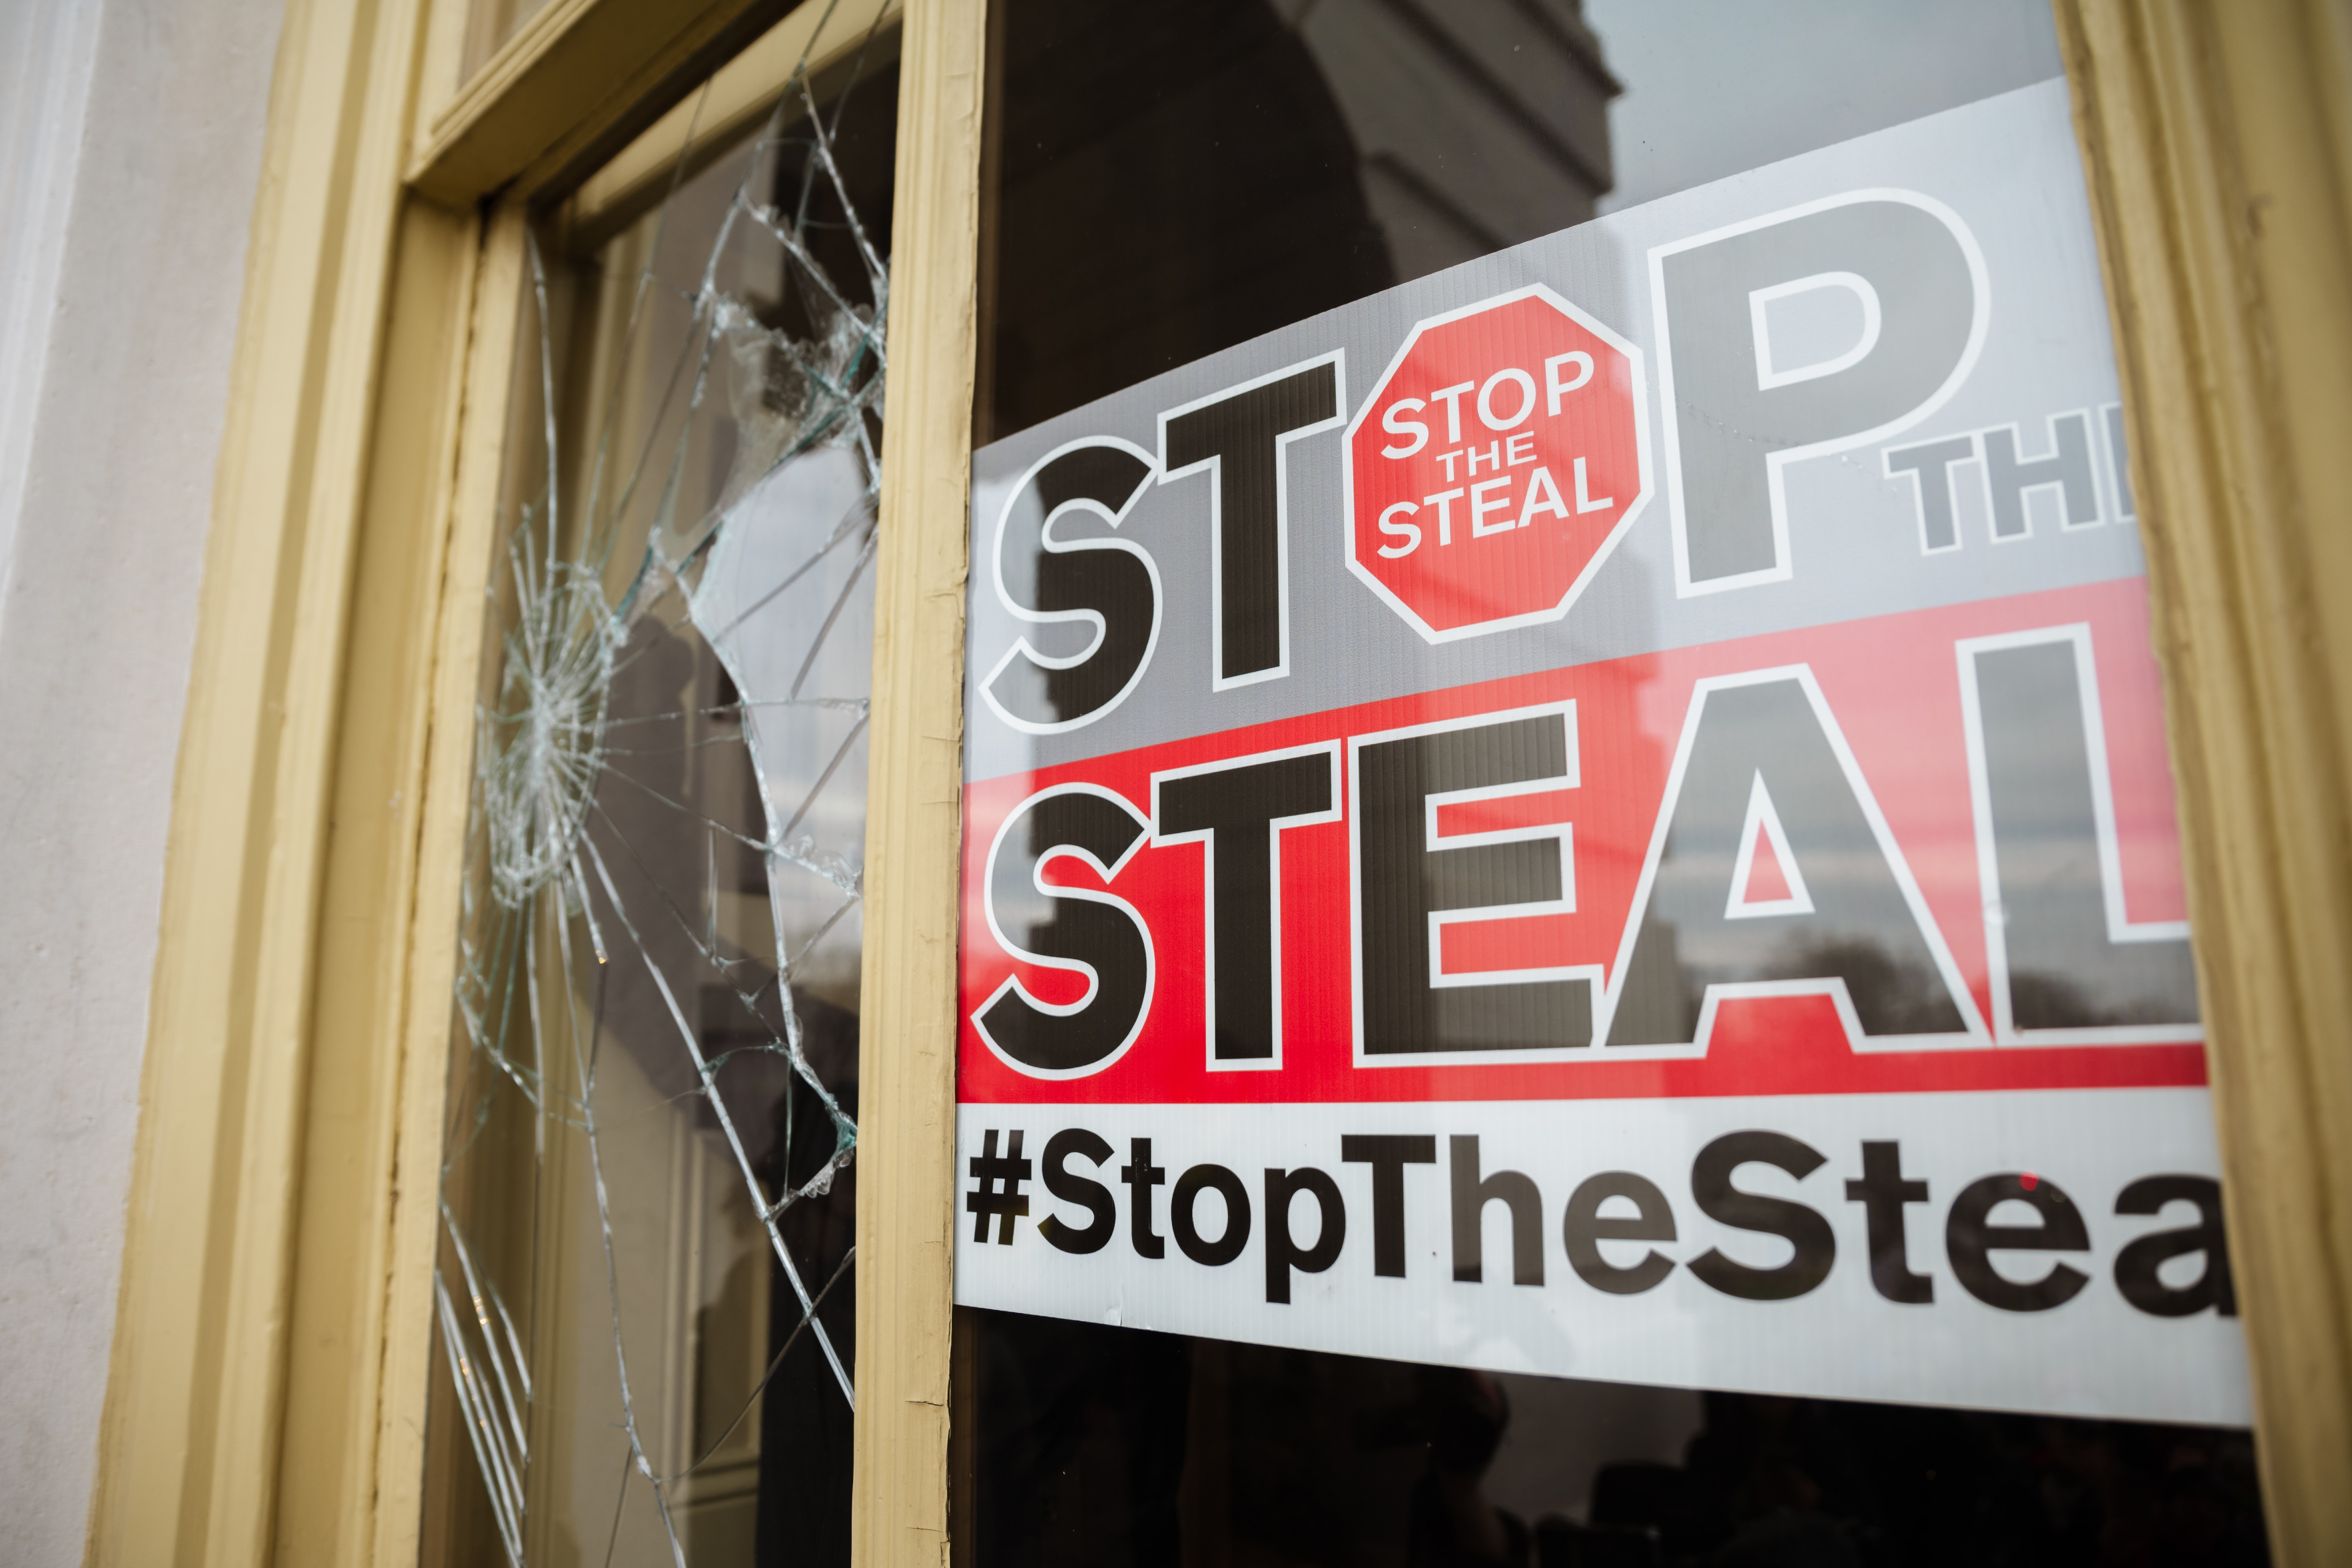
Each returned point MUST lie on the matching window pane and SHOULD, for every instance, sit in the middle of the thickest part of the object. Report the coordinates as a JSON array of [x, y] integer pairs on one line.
[[1713, 87], [1574, 945], [646, 1307]]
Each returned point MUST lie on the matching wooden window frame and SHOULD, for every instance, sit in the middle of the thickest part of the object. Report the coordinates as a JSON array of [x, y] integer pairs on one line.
[[266, 1394]]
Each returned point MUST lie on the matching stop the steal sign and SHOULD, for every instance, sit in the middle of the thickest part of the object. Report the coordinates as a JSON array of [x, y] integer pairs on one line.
[[1606, 813], [1496, 463]]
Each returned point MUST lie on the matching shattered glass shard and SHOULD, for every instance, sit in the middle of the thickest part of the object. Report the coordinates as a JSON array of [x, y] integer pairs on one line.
[[645, 1287]]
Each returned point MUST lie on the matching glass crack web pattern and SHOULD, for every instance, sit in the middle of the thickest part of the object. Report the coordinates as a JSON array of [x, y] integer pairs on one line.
[[645, 1283]]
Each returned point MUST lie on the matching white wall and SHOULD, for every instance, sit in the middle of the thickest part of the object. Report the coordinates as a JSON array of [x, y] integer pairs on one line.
[[130, 135]]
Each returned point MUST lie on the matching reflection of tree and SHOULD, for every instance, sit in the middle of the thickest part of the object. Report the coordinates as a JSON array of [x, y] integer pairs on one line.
[[2044, 999], [2052, 1002], [1661, 1000], [1892, 997]]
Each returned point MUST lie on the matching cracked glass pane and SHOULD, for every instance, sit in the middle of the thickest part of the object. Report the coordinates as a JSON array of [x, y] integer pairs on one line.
[[644, 1285]]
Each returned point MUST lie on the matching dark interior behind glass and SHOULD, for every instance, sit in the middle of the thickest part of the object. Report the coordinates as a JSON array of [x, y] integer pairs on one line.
[[1163, 182]]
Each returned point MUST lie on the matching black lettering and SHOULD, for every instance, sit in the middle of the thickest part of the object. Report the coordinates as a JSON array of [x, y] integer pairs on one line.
[[996, 1194], [1883, 1194], [1236, 810], [1388, 1155], [1803, 1229], [1283, 1252], [1238, 438], [2066, 968], [2137, 1264], [1112, 578], [1065, 929], [1403, 881], [1583, 1227], [1758, 753], [1141, 1175], [1969, 1242], [1073, 1188], [1228, 1186], [1517, 1194]]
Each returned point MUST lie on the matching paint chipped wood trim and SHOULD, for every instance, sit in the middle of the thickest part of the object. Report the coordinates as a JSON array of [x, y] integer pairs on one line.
[[905, 1182]]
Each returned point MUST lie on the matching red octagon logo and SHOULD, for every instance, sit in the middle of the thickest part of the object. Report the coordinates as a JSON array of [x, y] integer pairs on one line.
[[1497, 464]]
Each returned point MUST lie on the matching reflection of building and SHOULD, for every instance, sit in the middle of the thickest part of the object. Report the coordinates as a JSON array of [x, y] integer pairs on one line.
[[1478, 124], [1466, 127]]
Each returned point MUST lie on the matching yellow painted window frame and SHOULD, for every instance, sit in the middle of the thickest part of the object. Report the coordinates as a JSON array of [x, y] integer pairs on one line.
[[268, 1388]]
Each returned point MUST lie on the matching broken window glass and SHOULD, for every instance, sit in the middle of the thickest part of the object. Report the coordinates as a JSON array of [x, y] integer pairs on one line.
[[644, 1285]]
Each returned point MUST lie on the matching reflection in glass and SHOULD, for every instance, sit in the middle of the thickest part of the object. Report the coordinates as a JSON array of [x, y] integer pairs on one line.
[[1715, 86], [1164, 185], [646, 1290], [1111, 1446], [1170, 181]]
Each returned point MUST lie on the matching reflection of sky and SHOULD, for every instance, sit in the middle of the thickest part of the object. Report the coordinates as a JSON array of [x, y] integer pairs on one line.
[[772, 600], [1715, 86]]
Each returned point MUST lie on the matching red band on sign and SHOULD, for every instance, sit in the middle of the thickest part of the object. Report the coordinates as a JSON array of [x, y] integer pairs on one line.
[[1892, 687]]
